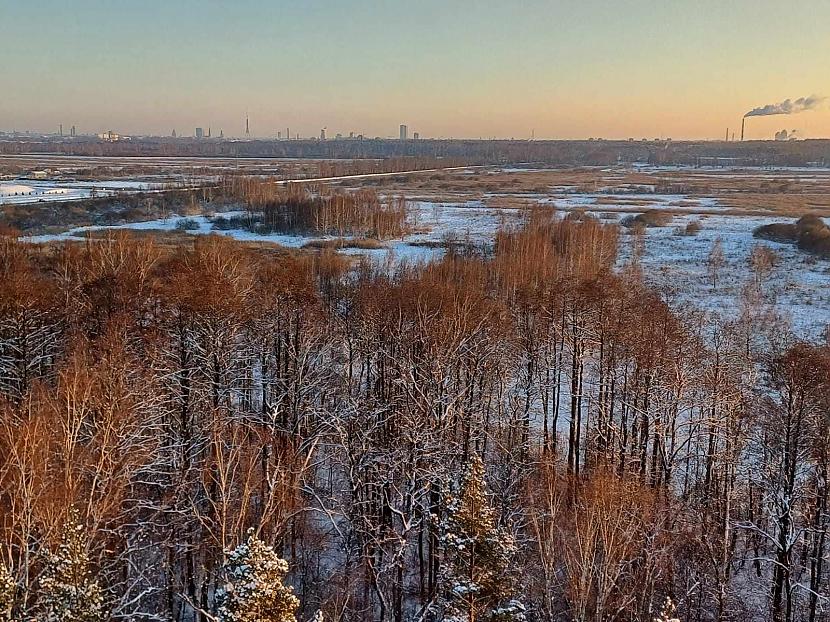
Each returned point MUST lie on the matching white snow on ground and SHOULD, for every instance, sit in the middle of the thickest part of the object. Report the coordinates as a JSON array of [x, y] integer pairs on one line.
[[636, 202], [434, 223], [645, 168], [35, 191], [674, 263], [13, 189]]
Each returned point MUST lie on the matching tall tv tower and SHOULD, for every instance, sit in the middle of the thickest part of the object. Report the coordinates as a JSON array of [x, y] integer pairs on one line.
[[247, 127]]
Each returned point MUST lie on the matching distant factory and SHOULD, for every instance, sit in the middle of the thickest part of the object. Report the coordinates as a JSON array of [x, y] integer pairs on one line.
[[785, 135], [110, 136]]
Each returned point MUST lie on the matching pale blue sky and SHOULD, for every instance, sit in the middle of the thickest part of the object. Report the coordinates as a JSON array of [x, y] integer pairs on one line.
[[564, 68]]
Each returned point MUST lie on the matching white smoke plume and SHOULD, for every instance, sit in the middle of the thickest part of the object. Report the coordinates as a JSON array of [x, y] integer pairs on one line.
[[788, 106]]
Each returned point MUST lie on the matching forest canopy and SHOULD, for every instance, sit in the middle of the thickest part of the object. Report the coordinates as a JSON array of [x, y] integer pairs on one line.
[[526, 433]]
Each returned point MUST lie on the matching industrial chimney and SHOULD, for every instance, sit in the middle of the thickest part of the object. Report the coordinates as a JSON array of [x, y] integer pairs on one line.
[[743, 123]]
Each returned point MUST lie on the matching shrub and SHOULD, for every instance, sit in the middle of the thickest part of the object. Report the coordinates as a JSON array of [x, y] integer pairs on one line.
[[778, 232], [187, 224], [650, 218], [810, 223], [692, 227], [338, 243], [815, 241], [578, 215], [809, 233]]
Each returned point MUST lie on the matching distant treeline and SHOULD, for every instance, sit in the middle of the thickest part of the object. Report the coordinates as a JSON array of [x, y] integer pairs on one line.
[[560, 153]]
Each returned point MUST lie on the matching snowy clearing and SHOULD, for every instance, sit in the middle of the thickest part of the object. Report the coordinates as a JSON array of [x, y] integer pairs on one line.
[[676, 264], [21, 191]]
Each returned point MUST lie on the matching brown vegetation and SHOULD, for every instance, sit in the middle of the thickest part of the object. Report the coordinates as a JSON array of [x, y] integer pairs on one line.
[[177, 396], [649, 218], [809, 233], [301, 210]]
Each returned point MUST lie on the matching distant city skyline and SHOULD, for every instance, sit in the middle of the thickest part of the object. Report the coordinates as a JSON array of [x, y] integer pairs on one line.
[[452, 68]]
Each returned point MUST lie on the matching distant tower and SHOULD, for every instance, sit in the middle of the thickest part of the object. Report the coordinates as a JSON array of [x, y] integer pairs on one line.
[[72, 131], [287, 134], [247, 126], [279, 135], [323, 134], [200, 133], [174, 133], [61, 130], [221, 134], [416, 136], [403, 129], [208, 132]]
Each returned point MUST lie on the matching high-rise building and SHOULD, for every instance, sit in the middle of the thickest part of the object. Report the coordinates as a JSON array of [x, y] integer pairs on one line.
[[72, 131], [174, 133], [200, 133], [323, 134], [416, 136], [279, 135], [403, 132]]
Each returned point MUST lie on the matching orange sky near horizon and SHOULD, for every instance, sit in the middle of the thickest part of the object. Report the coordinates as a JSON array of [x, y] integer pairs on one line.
[[447, 68]]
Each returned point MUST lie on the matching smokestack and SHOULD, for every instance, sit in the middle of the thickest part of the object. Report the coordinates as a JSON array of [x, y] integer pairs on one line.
[[788, 106], [727, 135]]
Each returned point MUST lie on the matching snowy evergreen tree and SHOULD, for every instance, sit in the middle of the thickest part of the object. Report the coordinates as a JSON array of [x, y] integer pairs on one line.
[[477, 556], [68, 590], [668, 612], [8, 593], [254, 590]]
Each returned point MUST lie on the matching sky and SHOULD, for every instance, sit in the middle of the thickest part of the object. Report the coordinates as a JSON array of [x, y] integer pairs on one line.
[[685, 69]]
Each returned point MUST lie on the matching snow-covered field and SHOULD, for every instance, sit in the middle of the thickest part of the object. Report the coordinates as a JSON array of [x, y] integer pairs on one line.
[[35, 191], [633, 202], [799, 287], [434, 223]]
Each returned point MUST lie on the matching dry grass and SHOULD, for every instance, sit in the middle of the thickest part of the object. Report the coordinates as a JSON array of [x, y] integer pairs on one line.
[[338, 243], [170, 240], [780, 204], [745, 192]]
